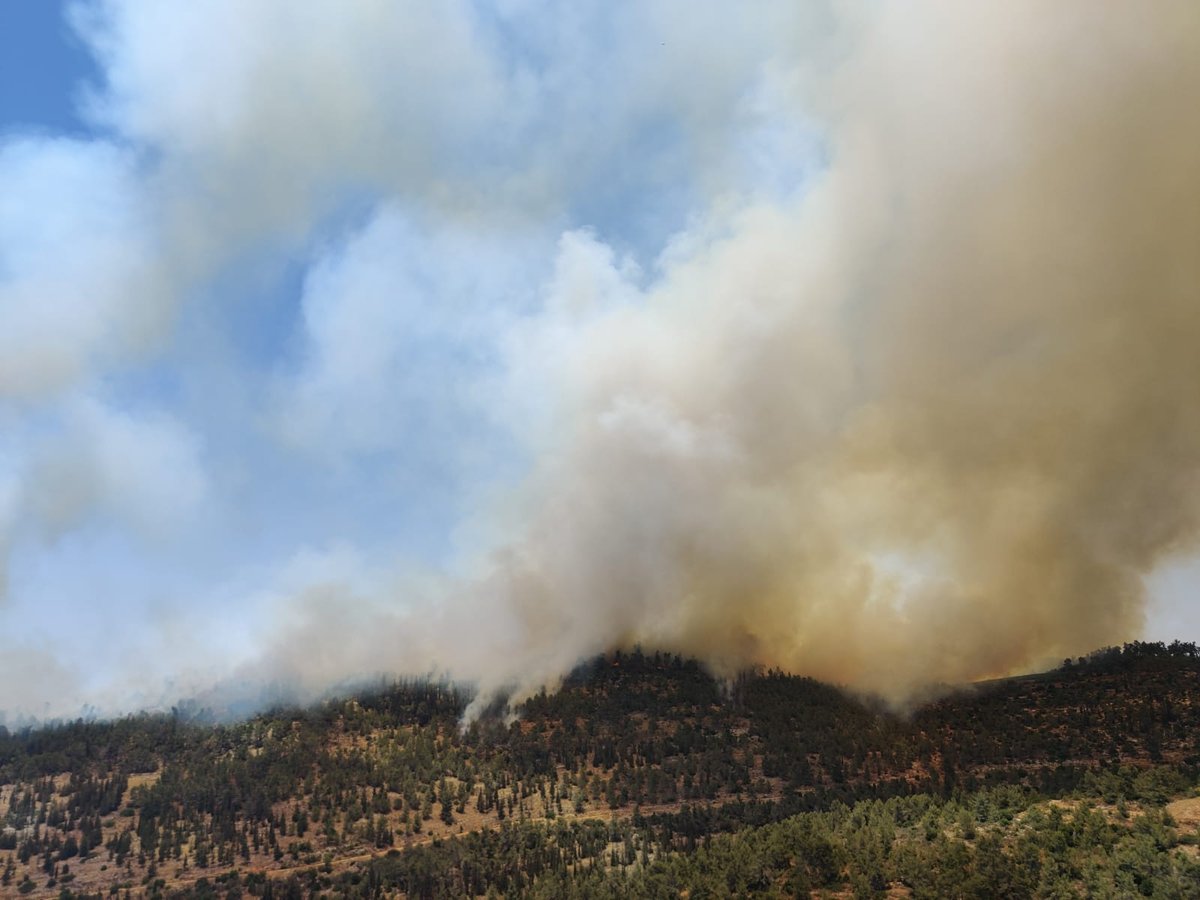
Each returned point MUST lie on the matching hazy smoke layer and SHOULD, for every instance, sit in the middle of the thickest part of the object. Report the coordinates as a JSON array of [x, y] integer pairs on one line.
[[929, 415], [932, 421]]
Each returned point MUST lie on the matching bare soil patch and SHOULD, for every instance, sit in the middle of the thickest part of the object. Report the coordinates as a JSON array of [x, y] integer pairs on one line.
[[1186, 813]]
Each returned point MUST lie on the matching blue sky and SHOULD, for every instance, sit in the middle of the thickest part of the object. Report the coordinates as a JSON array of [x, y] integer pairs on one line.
[[479, 336], [43, 66]]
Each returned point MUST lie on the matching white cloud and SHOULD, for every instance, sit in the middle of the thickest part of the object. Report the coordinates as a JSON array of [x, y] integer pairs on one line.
[[142, 471], [397, 328], [79, 287]]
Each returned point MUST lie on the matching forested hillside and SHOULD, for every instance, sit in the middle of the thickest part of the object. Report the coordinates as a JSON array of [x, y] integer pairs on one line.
[[642, 777]]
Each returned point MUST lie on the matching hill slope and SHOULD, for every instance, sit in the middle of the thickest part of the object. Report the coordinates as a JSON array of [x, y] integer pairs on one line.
[[640, 777]]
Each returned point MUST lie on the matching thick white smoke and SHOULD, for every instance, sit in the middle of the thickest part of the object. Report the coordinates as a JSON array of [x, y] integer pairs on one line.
[[909, 400], [933, 420]]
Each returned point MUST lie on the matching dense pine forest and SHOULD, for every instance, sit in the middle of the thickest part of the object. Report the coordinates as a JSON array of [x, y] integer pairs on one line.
[[643, 776]]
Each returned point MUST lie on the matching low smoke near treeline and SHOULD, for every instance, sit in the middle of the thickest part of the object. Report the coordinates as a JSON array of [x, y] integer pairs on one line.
[[858, 340]]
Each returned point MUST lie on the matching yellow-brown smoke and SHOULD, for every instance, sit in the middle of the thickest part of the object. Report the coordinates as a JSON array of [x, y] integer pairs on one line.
[[933, 422], [912, 398]]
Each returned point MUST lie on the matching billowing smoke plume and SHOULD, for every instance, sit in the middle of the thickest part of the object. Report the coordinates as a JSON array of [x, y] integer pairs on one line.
[[927, 415], [933, 420]]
